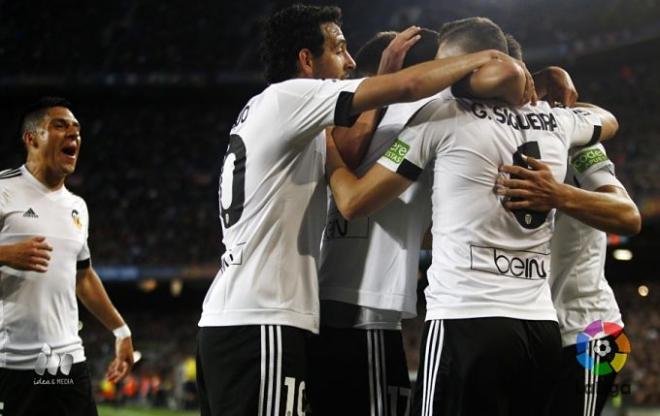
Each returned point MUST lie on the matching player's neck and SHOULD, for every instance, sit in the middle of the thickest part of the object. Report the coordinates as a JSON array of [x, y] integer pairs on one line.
[[47, 177]]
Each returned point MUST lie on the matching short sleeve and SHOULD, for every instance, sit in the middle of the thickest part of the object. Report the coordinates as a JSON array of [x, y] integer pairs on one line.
[[592, 169], [313, 103], [581, 126], [84, 255], [419, 141]]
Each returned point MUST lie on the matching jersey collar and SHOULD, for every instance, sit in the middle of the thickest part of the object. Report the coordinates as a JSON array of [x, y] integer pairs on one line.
[[40, 186]]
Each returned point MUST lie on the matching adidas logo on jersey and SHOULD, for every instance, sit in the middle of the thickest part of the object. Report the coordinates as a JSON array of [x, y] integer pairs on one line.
[[30, 214]]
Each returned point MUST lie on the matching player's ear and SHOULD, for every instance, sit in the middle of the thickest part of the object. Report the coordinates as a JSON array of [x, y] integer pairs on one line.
[[306, 63], [29, 139]]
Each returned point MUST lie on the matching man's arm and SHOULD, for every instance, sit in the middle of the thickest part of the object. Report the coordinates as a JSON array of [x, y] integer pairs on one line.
[[92, 294], [418, 81], [353, 142], [506, 80], [356, 197], [31, 254], [610, 125], [554, 85], [608, 208]]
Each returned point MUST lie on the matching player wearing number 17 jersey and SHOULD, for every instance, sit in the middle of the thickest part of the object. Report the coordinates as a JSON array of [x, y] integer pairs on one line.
[[491, 339], [272, 194]]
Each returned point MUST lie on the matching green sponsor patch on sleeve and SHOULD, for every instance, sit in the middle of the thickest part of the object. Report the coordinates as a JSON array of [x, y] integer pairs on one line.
[[587, 158], [397, 151]]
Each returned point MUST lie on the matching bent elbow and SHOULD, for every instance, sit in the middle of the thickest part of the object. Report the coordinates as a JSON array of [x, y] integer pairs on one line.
[[634, 224], [350, 209], [610, 126], [631, 224]]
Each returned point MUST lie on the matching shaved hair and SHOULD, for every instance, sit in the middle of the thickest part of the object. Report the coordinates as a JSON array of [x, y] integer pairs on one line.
[[515, 49], [35, 113], [473, 34]]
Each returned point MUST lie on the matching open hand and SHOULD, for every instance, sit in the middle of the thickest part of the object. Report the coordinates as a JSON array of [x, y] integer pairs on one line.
[[32, 254], [393, 56], [537, 189]]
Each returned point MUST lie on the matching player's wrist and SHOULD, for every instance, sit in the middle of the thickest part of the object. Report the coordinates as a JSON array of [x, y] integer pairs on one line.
[[565, 198], [122, 332]]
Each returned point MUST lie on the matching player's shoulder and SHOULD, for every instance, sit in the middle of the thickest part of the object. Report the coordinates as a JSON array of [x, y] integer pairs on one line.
[[11, 178], [437, 109], [303, 86], [10, 173], [76, 200]]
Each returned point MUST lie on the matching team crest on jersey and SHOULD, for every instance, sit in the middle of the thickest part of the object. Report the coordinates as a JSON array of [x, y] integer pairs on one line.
[[76, 219]]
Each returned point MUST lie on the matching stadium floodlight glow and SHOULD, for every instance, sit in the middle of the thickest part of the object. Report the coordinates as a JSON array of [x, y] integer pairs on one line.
[[622, 254], [643, 291]]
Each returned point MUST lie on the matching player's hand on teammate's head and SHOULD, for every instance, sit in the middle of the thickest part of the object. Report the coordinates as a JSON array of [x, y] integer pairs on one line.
[[123, 361], [555, 86], [31, 254], [393, 56], [533, 188]]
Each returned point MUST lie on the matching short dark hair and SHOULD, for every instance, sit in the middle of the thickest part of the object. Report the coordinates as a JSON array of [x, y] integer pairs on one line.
[[36, 111], [515, 49], [368, 57], [290, 30], [473, 34]]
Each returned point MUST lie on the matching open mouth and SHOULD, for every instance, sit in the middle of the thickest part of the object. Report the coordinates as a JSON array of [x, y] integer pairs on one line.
[[70, 150]]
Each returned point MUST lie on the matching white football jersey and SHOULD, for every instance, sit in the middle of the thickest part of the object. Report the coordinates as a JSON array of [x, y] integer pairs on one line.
[[486, 261], [373, 261], [273, 205], [39, 311], [580, 291]]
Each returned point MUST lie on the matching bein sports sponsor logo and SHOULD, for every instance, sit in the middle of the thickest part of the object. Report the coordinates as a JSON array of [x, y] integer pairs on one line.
[[602, 348], [520, 264]]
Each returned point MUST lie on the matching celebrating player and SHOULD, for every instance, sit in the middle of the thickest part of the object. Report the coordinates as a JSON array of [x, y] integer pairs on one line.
[[491, 342], [45, 262], [261, 305]]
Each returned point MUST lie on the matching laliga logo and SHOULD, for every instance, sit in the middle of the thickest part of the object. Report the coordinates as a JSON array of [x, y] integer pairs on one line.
[[602, 348], [47, 360]]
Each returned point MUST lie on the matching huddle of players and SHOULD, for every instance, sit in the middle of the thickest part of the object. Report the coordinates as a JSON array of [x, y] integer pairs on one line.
[[477, 161]]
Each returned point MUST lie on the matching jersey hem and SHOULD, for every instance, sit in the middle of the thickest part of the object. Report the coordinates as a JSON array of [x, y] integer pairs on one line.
[[486, 312], [390, 302], [262, 317]]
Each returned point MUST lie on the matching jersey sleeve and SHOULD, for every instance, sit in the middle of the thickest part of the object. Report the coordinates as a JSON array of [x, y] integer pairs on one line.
[[420, 141], [581, 127], [592, 169], [309, 105], [84, 256]]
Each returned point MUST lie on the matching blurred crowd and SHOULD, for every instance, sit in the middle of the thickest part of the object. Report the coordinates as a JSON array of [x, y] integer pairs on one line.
[[82, 39], [150, 159]]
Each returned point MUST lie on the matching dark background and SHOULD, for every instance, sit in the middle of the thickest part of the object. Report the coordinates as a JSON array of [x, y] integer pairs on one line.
[[157, 85]]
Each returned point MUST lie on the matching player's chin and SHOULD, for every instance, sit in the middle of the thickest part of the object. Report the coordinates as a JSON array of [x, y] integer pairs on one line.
[[68, 168]]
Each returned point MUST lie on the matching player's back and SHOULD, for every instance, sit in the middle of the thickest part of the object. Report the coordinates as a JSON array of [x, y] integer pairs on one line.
[[272, 199], [487, 261]]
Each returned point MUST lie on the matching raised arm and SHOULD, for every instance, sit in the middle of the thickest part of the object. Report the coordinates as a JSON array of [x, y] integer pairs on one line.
[[506, 80], [356, 197], [353, 142], [418, 81], [610, 125]]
